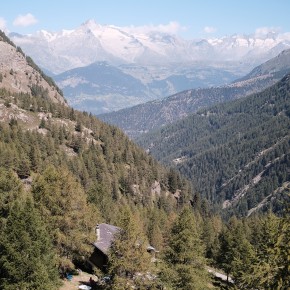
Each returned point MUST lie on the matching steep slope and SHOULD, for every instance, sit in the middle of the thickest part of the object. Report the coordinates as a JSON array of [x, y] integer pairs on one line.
[[151, 115], [237, 153], [276, 68], [31, 104], [20, 74], [71, 171]]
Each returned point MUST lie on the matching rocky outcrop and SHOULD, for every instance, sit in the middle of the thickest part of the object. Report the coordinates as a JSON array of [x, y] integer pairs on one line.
[[18, 76]]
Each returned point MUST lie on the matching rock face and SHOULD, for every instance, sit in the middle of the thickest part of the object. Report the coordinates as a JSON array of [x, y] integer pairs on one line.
[[17, 75]]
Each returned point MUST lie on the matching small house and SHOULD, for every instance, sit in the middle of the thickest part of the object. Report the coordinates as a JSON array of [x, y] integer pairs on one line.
[[105, 236]]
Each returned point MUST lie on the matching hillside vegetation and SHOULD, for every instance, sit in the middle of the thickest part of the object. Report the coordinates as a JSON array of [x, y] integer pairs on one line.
[[236, 153], [62, 172]]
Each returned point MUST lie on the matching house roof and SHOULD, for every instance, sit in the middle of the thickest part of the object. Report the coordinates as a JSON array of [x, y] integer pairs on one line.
[[105, 237]]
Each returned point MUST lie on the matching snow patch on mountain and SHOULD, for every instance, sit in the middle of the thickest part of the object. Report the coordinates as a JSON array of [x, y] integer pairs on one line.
[[91, 42]]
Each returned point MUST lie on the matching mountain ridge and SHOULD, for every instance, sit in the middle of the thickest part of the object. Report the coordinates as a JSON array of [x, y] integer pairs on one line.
[[236, 153], [19, 74], [124, 46], [151, 115], [101, 87]]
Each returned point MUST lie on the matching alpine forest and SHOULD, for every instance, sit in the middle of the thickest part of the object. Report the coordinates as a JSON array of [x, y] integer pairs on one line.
[[198, 203]]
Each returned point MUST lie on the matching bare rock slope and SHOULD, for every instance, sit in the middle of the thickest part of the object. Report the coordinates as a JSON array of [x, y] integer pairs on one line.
[[19, 74]]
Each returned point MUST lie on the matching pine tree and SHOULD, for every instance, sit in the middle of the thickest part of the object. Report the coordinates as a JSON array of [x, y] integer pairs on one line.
[[27, 258], [99, 196], [172, 180], [155, 236], [78, 127], [236, 254], [225, 256], [23, 168], [10, 190], [244, 257], [42, 123], [185, 262], [211, 228]]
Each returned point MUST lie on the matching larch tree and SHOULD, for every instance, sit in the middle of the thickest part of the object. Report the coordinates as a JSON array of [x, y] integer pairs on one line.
[[63, 203], [10, 190], [282, 253], [128, 258], [235, 254], [184, 257], [271, 269]]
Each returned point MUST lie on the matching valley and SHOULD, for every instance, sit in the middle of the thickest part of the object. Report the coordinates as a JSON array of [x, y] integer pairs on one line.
[[231, 151], [158, 113], [206, 181]]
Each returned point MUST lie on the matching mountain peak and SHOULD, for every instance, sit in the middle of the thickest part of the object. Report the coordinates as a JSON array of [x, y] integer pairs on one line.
[[121, 45], [90, 24]]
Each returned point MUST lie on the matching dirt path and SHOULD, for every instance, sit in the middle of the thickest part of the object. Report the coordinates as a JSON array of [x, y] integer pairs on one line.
[[220, 275], [77, 280]]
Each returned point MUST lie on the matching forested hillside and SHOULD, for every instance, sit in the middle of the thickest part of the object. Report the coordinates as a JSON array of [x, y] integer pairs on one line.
[[237, 153], [62, 172], [76, 168]]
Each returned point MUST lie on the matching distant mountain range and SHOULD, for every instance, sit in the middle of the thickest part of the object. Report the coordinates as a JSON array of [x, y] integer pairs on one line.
[[91, 42], [151, 115], [161, 64], [101, 87]]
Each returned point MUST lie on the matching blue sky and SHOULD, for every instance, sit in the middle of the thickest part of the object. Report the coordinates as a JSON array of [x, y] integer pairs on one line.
[[187, 18]]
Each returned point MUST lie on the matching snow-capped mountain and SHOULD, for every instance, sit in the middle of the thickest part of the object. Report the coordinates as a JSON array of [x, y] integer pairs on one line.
[[157, 63], [91, 42]]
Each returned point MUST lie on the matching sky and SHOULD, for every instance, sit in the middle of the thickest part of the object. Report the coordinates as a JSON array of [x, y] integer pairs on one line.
[[189, 19]]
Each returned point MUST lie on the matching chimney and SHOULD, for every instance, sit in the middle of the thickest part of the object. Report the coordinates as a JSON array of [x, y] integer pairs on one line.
[[98, 232]]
